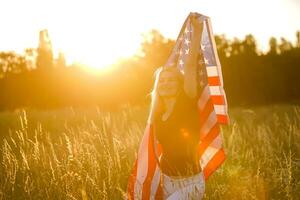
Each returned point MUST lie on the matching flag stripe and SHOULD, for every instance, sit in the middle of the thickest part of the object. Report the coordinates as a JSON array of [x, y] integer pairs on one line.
[[143, 156], [215, 90], [151, 166], [218, 99], [220, 109], [203, 98], [223, 119], [210, 151], [212, 41], [207, 139], [214, 81], [212, 71], [214, 163], [132, 180], [207, 155], [208, 124], [142, 165], [155, 182], [159, 193], [210, 30], [204, 114]]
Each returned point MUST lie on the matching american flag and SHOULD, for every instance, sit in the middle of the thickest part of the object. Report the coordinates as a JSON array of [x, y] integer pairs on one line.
[[144, 181]]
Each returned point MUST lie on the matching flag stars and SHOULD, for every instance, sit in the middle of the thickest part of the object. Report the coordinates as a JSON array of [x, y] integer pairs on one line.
[[187, 51], [205, 61], [186, 31], [202, 47], [187, 42], [181, 62]]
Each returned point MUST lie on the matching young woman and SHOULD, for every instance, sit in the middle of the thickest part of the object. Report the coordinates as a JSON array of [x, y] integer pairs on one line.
[[175, 118]]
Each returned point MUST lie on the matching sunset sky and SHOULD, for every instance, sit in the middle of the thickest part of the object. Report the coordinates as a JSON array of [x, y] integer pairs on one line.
[[88, 30]]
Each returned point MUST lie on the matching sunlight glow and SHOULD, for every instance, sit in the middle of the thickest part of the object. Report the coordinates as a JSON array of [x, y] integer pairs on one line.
[[98, 49], [97, 33]]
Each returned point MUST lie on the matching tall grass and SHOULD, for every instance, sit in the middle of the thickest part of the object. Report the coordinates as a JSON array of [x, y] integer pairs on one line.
[[89, 153]]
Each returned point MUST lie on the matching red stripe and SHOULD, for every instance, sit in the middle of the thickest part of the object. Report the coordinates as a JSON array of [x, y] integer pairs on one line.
[[214, 163], [209, 138], [204, 114], [213, 81], [131, 182], [159, 193], [151, 167], [223, 119], [218, 99]]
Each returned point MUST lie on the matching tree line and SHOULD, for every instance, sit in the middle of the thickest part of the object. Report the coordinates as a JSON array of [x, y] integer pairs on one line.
[[251, 77]]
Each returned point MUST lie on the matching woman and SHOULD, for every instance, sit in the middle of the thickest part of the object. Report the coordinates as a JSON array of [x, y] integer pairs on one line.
[[175, 117]]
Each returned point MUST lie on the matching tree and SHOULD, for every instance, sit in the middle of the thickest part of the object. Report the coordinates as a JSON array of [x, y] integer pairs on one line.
[[298, 39], [44, 52], [249, 45], [273, 45], [222, 46], [236, 47], [30, 57], [11, 62], [285, 45], [156, 48], [61, 61]]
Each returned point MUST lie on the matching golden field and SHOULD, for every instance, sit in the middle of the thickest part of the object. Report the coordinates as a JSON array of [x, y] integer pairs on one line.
[[88, 153]]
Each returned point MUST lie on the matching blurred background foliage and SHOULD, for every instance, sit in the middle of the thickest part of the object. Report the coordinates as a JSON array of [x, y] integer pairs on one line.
[[251, 77]]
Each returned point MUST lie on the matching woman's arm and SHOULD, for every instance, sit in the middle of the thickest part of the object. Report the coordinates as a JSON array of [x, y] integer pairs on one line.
[[190, 70]]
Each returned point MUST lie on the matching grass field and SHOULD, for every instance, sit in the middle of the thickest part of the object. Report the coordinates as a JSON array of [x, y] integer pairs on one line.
[[88, 153]]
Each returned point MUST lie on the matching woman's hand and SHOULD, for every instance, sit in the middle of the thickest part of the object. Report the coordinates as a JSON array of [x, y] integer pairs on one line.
[[190, 75], [196, 24]]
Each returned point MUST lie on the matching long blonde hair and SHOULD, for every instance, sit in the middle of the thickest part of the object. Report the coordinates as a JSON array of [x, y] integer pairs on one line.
[[156, 100]]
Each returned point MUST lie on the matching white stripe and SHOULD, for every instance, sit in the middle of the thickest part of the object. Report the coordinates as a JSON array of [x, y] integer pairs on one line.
[[212, 71], [220, 109], [155, 182], [203, 98], [205, 158], [215, 90], [157, 173], [210, 151], [207, 126], [225, 103], [138, 188], [142, 164], [225, 108], [217, 142]]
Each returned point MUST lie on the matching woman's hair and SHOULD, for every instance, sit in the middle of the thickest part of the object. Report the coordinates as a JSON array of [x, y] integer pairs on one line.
[[156, 103]]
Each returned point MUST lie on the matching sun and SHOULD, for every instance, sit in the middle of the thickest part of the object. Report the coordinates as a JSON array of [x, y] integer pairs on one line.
[[96, 49]]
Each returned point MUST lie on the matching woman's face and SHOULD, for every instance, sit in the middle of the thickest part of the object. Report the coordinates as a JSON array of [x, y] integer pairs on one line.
[[168, 84]]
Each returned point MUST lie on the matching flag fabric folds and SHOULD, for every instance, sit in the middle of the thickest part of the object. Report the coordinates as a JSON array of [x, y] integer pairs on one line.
[[144, 181]]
